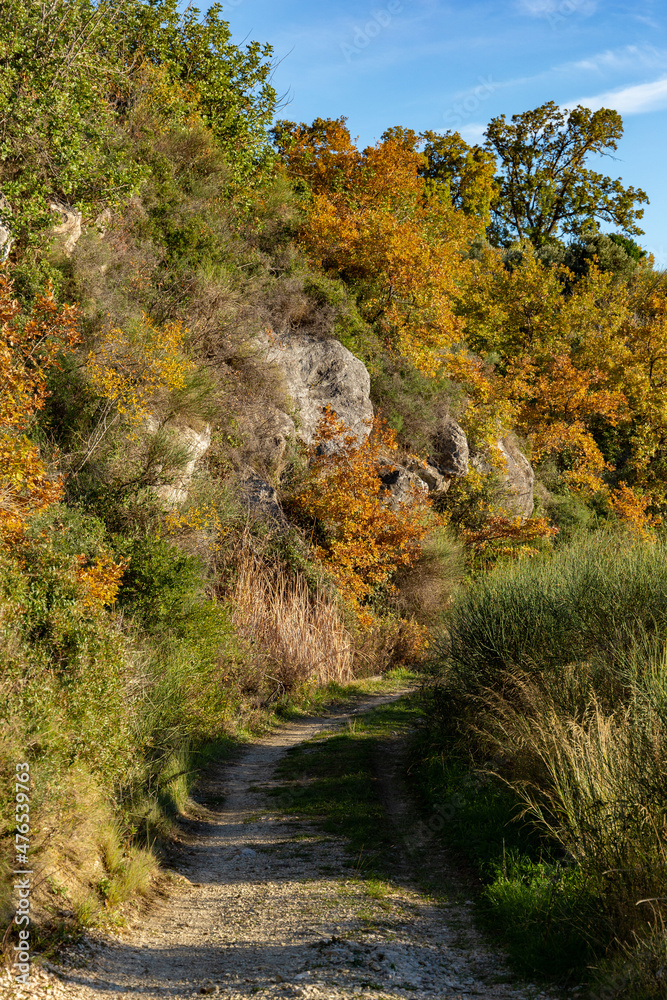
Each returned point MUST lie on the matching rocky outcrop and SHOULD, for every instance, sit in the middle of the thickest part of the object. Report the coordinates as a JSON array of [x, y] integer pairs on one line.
[[450, 453], [518, 475], [6, 238], [515, 472], [319, 373], [69, 229], [195, 443], [400, 483], [449, 458], [261, 499], [103, 221], [429, 475], [401, 480], [266, 435]]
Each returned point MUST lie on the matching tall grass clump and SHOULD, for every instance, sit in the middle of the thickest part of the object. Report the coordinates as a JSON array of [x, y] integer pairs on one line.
[[552, 682], [299, 635], [593, 599]]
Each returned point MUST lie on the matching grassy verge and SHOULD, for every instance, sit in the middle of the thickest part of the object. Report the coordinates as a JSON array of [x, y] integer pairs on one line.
[[539, 906], [548, 739]]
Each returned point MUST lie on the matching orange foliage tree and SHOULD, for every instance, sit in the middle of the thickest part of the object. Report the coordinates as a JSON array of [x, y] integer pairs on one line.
[[359, 535], [100, 579], [375, 220], [642, 371], [554, 348], [29, 347], [564, 360], [570, 358]]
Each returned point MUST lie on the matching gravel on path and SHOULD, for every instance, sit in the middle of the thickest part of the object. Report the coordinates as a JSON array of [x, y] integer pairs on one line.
[[264, 905]]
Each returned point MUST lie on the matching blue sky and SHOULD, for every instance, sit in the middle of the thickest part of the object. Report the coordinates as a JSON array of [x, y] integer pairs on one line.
[[427, 64]]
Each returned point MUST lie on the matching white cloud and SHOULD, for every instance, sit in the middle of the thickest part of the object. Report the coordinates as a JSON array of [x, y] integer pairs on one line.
[[473, 133], [644, 19], [634, 100], [616, 60]]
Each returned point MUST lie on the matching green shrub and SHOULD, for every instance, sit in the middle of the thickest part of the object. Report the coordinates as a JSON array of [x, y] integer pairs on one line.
[[411, 402], [65, 687], [162, 586], [549, 912], [571, 515]]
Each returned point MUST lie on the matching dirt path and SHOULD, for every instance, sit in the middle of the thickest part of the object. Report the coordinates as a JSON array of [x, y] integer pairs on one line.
[[267, 906]]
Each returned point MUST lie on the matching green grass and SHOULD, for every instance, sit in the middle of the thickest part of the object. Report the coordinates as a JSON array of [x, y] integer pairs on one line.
[[332, 781], [531, 900], [311, 699], [553, 678]]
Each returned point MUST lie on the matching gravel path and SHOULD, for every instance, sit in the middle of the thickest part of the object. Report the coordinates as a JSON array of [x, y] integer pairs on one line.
[[265, 905]]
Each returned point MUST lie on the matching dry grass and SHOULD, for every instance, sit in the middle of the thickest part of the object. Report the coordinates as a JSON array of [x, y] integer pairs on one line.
[[83, 867], [594, 782], [425, 589], [299, 635]]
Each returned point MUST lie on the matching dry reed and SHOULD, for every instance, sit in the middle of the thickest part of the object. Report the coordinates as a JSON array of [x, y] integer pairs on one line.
[[300, 635]]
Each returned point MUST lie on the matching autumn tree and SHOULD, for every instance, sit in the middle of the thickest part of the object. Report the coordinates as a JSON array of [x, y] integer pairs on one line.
[[642, 372], [358, 533], [552, 359], [465, 174], [373, 220], [545, 189], [29, 347], [137, 382]]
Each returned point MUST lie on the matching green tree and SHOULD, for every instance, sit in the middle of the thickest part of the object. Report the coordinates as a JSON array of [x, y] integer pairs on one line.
[[465, 172], [59, 136], [545, 190], [74, 75], [461, 174], [229, 85]]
